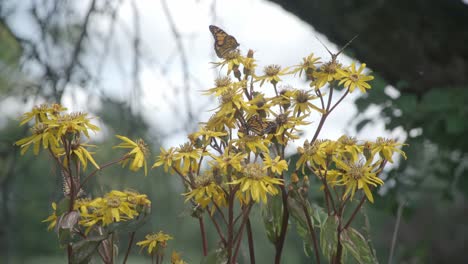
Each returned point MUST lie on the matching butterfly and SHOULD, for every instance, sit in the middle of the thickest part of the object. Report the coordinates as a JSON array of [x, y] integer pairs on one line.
[[256, 125], [224, 43]]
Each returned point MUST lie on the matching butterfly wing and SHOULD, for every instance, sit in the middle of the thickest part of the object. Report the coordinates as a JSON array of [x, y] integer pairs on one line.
[[257, 126], [224, 42]]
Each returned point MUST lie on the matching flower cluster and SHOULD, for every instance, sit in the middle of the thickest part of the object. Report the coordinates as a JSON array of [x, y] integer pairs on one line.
[[113, 207], [347, 162]]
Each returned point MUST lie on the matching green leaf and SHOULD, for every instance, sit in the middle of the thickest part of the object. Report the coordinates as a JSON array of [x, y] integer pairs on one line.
[[84, 249], [356, 244], [217, 256], [300, 220], [297, 212], [272, 214], [328, 237], [319, 215]]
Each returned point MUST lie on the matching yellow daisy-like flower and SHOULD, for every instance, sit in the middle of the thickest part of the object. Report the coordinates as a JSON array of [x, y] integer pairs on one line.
[[252, 143], [272, 74], [276, 165], [139, 151], [73, 123], [357, 176], [208, 134], [386, 147], [228, 159], [256, 184], [153, 241], [42, 113], [231, 101], [307, 66], [301, 101], [328, 73], [222, 84], [349, 147], [207, 191], [188, 156], [287, 127], [83, 154], [113, 207], [311, 153], [166, 158], [41, 134], [176, 259], [352, 78], [232, 59], [249, 63], [52, 218]]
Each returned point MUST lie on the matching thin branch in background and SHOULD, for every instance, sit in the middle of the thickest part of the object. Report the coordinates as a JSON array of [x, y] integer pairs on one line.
[[184, 65], [76, 51], [136, 88], [105, 50], [401, 205]]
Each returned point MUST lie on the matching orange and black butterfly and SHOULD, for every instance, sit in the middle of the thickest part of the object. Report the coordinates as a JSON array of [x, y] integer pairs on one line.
[[256, 125], [224, 43]]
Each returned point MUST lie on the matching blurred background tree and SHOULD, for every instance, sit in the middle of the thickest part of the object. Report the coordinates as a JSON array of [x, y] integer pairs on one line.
[[418, 50], [61, 51]]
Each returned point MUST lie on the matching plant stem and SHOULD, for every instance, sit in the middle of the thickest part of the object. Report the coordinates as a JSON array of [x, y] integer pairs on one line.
[[132, 236], [363, 199], [395, 232], [250, 242], [284, 226], [203, 234], [240, 231], [311, 230], [85, 180]]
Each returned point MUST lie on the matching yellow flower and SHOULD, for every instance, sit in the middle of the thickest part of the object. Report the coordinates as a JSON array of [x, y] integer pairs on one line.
[[357, 176], [302, 104], [113, 207], [307, 66], [276, 165], [272, 74], [208, 134], [231, 101], [287, 127], [83, 154], [252, 143], [42, 113], [52, 218], [349, 147], [189, 156], [227, 160], [249, 64], [352, 78], [328, 73], [386, 147], [166, 158], [312, 153], [233, 59], [176, 259], [139, 151], [152, 241], [256, 184], [73, 123], [207, 191], [41, 134]]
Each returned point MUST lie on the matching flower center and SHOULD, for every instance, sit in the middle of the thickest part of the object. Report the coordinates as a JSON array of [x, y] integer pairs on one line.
[[254, 171], [272, 70], [113, 202]]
